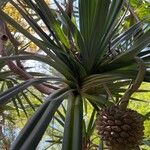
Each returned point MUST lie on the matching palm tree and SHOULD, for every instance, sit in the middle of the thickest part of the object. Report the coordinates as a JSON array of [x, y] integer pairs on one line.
[[94, 59]]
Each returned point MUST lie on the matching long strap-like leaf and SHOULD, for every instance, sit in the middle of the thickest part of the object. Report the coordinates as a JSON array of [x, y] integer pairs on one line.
[[5, 96], [72, 139], [36, 126], [77, 129]]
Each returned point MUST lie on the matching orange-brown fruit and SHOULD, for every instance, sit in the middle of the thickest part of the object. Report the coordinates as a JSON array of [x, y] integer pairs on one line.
[[120, 129]]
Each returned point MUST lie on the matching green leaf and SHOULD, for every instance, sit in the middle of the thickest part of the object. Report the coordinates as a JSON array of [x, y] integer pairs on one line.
[[69, 121], [121, 60], [53, 22], [5, 96], [59, 121], [35, 136], [144, 53], [35, 26], [96, 27], [92, 29], [21, 105], [72, 138], [28, 101], [59, 66], [91, 123], [37, 125], [77, 127], [97, 80], [99, 100], [34, 95], [125, 35], [139, 45], [61, 115], [73, 28], [41, 44], [115, 8]]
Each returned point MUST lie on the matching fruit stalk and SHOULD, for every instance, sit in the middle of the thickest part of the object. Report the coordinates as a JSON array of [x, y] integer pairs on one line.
[[135, 85]]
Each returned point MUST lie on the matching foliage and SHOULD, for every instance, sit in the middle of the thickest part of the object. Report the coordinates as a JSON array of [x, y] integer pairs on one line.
[[141, 9], [96, 59]]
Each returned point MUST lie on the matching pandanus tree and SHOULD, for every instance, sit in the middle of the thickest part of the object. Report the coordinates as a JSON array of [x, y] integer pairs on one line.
[[94, 59]]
